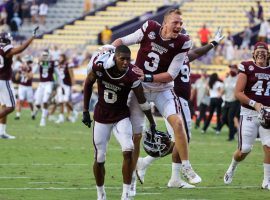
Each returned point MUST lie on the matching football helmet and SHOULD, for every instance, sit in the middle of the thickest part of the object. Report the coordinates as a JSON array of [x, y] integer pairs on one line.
[[264, 117], [5, 39], [45, 56], [28, 59], [157, 144]]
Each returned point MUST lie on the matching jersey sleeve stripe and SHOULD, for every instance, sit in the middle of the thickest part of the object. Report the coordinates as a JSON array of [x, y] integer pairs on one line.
[[136, 84], [187, 44], [241, 67], [8, 47]]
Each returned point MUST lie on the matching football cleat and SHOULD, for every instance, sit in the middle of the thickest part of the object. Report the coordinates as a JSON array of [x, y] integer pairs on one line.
[[178, 183], [266, 185], [7, 136], [59, 121], [102, 196], [125, 197], [132, 192], [140, 170], [228, 177], [17, 118], [42, 122], [190, 175]]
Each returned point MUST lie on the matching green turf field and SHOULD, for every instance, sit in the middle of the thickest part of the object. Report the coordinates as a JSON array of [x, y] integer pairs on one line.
[[55, 163]]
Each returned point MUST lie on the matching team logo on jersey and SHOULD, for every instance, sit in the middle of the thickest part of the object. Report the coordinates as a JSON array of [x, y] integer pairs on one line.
[[251, 67], [99, 74], [171, 45], [152, 35]]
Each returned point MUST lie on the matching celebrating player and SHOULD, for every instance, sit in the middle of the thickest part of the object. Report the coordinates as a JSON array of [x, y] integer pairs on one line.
[[7, 99], [253, 91], [112, 113]]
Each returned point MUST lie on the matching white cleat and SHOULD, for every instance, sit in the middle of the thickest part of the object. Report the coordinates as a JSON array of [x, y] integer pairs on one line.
[[132, 192], [140, 170], [7, 136], [177, 183], [59, 121], [102, 197], [266, 185], [125, 197], [190, 175], [42, 122], [228, 177]]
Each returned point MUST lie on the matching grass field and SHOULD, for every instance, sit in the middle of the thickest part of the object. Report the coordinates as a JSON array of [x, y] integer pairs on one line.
[[55, 163]]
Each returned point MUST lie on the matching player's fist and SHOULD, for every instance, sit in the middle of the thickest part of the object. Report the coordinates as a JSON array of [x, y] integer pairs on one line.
[[87, 119]]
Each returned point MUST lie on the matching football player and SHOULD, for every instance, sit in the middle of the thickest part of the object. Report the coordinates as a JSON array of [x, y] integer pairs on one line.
[[253, 91], [25, 90], [47, 69], [162, 52], [64, 91], [112, 113], [182, 89], [7, 99]]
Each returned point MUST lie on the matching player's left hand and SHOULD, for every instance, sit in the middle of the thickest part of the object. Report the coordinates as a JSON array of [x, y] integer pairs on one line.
[[139, 72], [218, 35], [87, 119], [35, 31]]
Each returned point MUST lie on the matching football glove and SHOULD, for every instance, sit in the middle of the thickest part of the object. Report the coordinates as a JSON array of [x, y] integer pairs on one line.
[[35, 31], [218, 35], [87, 119]]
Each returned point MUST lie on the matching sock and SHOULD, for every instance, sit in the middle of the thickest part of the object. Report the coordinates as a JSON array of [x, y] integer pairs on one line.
[[61, 117], [148, 160], [233, 165], [1, 129], [266, 174], [4, 128], [126, 189], [185, 163], [176, 167], [18, 114], [100, 190], [44, 113]]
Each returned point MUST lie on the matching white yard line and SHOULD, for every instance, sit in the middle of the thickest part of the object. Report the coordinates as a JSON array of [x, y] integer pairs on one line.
[[13, 177], [51, 182], [119, 188]]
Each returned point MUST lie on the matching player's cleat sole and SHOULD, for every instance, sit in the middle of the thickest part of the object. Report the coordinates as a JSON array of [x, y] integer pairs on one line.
[[179, 184], [7, 136]]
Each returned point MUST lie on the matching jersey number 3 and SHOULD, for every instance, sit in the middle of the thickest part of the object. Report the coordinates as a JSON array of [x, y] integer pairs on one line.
[[153, 65]]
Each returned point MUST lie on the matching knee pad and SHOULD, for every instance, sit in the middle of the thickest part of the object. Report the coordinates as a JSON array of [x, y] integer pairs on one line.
[[100, 156], [246, 148]]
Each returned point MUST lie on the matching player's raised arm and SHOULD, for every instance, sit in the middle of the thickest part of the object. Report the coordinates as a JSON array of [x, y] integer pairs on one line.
[[22, 47]]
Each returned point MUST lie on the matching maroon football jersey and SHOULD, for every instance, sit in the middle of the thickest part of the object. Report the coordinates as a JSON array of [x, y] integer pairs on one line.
[[155, 53], [182, 86], [46, 70], [64, 73], [24, 80], [113, 94], [5, 64], [258, 82]]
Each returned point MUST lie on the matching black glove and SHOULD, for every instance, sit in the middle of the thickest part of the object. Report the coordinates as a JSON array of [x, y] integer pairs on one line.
[[87, 119], [35, 31]]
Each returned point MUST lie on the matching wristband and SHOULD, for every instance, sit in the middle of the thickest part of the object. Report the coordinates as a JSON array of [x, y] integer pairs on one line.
[[252, 103], [214, 43], [148, 78]]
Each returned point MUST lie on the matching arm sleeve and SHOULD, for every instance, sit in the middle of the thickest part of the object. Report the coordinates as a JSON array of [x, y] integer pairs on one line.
[[241, 67], [176, 64], [133, 38]]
